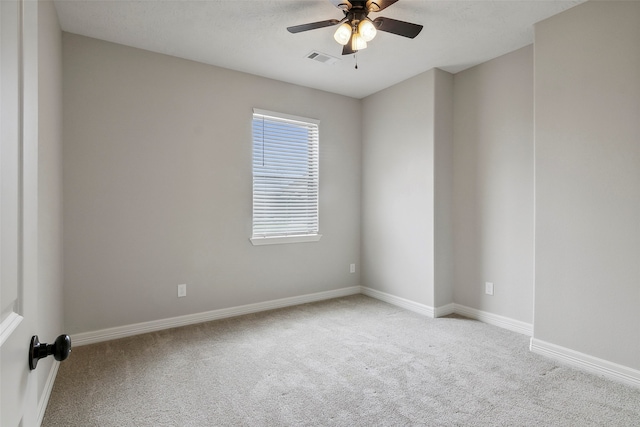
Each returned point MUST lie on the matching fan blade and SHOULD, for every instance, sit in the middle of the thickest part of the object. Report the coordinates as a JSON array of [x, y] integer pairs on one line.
[[342, 4], [347, 49], [401, 28], [313, 26], [378, 5]]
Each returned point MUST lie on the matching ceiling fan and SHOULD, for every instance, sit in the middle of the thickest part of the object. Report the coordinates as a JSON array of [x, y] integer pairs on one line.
[[356, 28]]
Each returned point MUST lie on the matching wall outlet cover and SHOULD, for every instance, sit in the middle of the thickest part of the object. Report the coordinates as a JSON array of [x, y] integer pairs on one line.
[[488, 288], [182, 290]]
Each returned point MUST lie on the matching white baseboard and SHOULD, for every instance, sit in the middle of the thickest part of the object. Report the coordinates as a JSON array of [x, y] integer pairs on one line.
[[108, 334], [588, 363], [573, 358], [564, 355], [472, 313], [400, 302], [46, 392], [494, 319], [445, 310]]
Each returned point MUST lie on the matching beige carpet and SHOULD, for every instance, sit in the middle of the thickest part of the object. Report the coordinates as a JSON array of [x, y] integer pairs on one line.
[[352, 361]]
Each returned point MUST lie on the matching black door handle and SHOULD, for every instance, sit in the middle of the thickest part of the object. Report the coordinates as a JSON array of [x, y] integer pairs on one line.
[[60, 349]]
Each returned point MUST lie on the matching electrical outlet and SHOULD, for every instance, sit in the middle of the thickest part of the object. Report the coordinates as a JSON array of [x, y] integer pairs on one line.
[[182, 290], [488, 288], [352, 268]]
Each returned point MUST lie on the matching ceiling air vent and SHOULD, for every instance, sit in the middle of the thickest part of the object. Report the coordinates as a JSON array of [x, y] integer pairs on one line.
[[322, 57]]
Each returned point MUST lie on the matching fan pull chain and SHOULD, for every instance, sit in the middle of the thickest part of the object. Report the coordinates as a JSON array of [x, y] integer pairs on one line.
[[355, 56]]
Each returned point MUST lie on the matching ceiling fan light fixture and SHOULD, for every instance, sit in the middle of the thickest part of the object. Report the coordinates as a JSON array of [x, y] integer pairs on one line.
[[367, 30], [355, 29], [357, 42], [343, 34]]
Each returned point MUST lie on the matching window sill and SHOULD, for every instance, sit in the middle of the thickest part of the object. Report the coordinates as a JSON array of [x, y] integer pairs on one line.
[[259, 241]]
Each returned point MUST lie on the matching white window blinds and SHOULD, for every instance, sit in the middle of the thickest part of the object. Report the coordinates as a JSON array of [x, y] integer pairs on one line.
[[285, 175]]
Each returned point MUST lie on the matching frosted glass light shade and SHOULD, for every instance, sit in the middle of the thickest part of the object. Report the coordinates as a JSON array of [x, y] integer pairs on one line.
[[343, 34], [357, 42], [367, 30]]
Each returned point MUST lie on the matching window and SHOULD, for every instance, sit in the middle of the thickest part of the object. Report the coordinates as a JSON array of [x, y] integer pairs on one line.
[[285, 178]]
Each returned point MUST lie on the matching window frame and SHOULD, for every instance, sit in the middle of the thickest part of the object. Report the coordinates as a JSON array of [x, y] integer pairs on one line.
[[270, 238]]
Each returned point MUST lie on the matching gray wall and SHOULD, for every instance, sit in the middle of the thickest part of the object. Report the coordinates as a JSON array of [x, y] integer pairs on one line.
[[157, 188], [587, 124], [448, 187], [50, 302], [493, 185], [400, 136]]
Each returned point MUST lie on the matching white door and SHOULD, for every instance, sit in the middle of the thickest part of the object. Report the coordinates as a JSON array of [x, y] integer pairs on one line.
[[18, 209]]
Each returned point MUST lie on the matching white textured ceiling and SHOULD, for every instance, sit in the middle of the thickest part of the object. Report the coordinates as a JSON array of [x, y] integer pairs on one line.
[[251, 36]]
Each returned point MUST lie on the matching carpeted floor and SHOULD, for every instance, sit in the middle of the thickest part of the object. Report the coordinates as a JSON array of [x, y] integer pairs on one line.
[[351, 361]]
